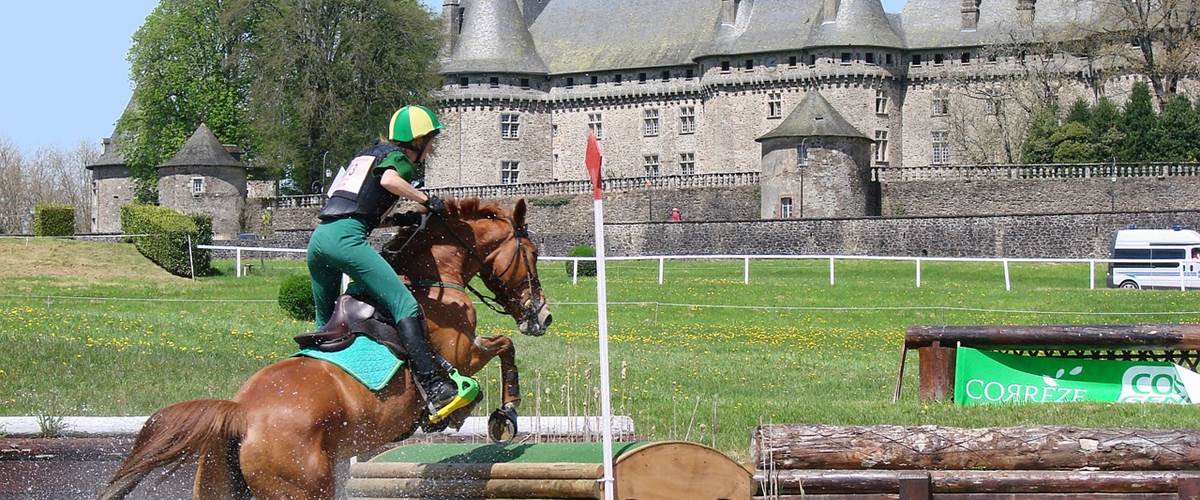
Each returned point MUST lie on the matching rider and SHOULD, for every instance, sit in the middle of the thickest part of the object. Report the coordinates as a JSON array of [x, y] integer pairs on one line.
[[362, 192]]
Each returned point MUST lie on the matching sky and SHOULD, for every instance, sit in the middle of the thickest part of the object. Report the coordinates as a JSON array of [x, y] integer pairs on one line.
[[67, 77]]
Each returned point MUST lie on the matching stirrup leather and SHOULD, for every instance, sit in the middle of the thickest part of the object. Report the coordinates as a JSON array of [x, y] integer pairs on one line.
[[468, 390]]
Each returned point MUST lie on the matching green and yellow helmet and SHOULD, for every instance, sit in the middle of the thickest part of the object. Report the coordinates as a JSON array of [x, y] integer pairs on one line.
[[412, 122]]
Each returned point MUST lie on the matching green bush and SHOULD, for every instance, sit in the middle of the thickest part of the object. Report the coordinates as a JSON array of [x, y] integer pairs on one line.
[[52, 219], [166, 237], [586, 267], [296, 298]]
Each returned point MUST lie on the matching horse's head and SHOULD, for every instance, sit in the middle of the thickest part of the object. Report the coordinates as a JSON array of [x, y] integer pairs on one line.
[[508, 264]]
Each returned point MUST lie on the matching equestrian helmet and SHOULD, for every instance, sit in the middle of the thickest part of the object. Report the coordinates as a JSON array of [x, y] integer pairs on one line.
[[412, 122]]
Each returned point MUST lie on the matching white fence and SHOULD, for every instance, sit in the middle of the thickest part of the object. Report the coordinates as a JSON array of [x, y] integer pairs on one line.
[[832, 259]]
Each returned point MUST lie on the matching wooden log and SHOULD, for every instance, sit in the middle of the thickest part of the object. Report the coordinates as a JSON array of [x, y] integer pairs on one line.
[[812, 481], [1007, 448], [503, 470], [1180, 337], [936, 373], [450, 488]]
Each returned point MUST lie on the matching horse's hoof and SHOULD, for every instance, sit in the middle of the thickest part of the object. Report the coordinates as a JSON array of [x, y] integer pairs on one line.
[[502, 424]]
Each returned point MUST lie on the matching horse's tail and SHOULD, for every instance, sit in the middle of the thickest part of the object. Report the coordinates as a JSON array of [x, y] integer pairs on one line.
[[174, 434]]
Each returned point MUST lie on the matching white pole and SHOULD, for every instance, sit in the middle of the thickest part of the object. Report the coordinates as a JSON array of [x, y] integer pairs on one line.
[[831, 280], [746, 271], [191, 263], [918, 273], [1092, 274], [602, 310], [1007, 281], [1182, 285], [575, 271], [660, 270], [237, 262]]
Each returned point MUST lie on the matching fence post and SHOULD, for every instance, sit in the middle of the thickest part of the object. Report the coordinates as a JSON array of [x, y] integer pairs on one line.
[[191, 263], [1007, 281], [1182, 283], [918, 273], [575, 271], [237, 261], [660, 270], [746, 271], [1092, 274], [831, 278]]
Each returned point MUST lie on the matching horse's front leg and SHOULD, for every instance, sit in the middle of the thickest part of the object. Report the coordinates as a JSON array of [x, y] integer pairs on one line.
[[502, 425]]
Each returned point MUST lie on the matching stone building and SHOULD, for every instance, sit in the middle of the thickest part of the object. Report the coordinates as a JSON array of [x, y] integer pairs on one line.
[[204, 177], [112, 187]]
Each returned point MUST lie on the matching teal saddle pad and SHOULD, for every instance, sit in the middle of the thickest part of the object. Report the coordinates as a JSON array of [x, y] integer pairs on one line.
[[370, 362]]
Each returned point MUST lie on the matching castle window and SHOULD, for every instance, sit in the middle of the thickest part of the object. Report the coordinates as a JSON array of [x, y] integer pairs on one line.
[[510, 172], [991, 106], [991, 58], [617, 79], [939, 59], [724, 66], [687, 120], [785, 207], [510, 126], [651, 165], [881, 102], [941, 148], [596, 125], [916, 59], [881, 146], [802, 155], [595, 80], [749, 64], [941, 103], [687, 163], [792, 61], [554, 130], [887, 59], [650, 122], [494, 82], [812, 59], [845, 58], [870, 58], [641, 78], [525, 83], [666, 76], [775, 105], [965, 58], [197, 186], [691, 73], [463, 82]]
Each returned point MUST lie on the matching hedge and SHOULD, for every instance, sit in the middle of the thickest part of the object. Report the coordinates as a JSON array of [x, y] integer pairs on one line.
[[166, 234], [52, 219], [296, 297], [586, 267]]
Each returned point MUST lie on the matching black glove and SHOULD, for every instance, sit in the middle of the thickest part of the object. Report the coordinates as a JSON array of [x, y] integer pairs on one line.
[[435, 205]]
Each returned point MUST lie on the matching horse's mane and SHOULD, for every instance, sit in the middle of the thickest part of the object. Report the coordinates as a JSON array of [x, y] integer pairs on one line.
[[474, 208]]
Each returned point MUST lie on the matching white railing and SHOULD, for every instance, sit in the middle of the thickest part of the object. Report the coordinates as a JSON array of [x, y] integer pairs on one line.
[[1035, 171], [745, 259]]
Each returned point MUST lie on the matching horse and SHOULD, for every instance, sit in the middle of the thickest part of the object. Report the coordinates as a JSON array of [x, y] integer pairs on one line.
[[284, 430]]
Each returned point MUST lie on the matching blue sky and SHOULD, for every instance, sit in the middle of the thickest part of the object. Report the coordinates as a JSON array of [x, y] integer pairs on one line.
[[67, 78]]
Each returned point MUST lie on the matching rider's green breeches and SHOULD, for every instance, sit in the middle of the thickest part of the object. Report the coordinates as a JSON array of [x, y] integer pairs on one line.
[[340, 246]]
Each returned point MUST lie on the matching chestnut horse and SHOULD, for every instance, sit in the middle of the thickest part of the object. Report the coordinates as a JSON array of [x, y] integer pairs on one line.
[[282, 433]]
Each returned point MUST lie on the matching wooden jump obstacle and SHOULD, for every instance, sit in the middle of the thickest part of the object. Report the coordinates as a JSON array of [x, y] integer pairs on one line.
[[919, 463], [642, 470], [936, 345]]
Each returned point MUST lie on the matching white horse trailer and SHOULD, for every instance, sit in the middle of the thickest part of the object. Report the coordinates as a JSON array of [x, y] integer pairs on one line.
[[1157, 258]]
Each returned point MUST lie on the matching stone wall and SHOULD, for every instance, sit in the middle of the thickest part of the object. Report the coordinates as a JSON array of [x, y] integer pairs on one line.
[[224, 196], [112, 188], [1021, 196]]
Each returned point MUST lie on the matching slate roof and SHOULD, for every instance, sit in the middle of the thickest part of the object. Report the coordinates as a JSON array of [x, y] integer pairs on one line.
[[494, 40], [112, 156], [857, 22], [202, 149], [937, 23], [813, 117]]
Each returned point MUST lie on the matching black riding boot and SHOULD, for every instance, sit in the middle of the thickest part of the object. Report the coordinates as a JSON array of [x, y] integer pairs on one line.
[[445, 390]]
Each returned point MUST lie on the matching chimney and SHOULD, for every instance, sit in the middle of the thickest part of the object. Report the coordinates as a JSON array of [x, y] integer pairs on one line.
[[970, 15], [1025, 11], [233, 150], [452, 13], [107, 144]]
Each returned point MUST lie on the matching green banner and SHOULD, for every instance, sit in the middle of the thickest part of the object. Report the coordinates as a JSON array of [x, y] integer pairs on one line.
[[988, 377]]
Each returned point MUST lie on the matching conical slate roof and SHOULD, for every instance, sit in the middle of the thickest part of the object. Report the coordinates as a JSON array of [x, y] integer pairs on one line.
[[111, 157], [857, 22], [814, 117], [494, 39], [202, 149]]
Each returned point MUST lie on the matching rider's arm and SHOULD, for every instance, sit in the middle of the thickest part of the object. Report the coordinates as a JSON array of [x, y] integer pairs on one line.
[[398, 186]]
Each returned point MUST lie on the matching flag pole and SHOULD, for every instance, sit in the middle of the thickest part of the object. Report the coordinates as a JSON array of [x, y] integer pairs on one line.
[[593, 160]]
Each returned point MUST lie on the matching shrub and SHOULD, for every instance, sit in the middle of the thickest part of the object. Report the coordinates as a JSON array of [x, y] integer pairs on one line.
[[586, 267], [296, 298], [52, 219], [166, 237]]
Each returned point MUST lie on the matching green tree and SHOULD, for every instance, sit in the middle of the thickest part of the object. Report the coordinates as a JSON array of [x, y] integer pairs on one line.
[[1177, 128], [1038, 147], [1138, 126], [330, 73], [1072, 144], [1105, 128], [1080, 112], [186, 70]]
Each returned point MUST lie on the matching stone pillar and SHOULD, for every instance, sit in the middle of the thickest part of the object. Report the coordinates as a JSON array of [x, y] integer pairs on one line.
[[970, 14], [452, 13], [1025, 11]]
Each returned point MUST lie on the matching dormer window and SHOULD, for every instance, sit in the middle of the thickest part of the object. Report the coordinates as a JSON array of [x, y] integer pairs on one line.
[[494, 82], [594, 81], [641, 78], [939, 59], [525, 83], [666, 76], [570, 82], [749, 64], [870, 58], [463, 83], [617, 79], [845, 58], [724, 66], [916, 59], [965, 58]]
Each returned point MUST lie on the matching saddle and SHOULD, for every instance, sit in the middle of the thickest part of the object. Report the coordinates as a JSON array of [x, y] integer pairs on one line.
[[352, 317]]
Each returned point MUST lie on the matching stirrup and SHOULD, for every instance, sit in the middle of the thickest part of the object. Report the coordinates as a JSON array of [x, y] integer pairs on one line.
[[468, 390]]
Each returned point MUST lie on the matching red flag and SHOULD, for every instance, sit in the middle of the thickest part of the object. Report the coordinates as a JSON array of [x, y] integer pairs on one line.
[[592, 159]]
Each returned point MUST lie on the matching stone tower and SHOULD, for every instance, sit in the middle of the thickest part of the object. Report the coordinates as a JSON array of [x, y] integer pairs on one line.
[[815, 164], [205, 178], [112, 187]]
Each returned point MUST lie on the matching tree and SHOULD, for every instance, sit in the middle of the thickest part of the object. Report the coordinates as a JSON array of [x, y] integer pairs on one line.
[[1038, 146], [1105, 128], [1071, 144], [330, 73], [187, 69], [1138, 126], [1163, 35], [1177, 129], [1080, 112], [51, 175]]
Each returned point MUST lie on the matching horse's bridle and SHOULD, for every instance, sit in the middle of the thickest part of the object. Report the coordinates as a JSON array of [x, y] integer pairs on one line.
[[494, 280]]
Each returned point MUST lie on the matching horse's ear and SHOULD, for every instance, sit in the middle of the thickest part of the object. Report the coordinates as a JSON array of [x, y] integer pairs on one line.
[[519, 213]]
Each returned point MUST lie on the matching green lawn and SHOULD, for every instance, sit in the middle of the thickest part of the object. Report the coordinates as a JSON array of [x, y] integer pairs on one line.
[[784, 359]]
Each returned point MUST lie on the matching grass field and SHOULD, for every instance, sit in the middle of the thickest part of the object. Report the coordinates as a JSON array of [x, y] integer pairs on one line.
[[776, 361]]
